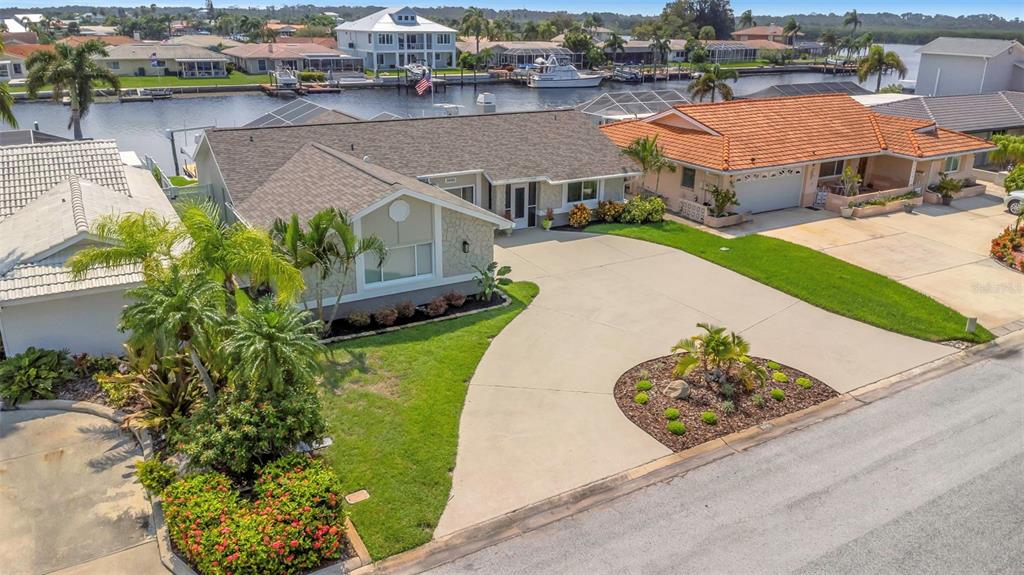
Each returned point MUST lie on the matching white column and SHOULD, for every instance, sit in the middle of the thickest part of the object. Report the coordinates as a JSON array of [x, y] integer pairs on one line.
[[438, 243]]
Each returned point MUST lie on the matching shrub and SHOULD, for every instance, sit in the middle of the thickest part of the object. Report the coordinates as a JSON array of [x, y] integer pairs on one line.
[[86, 365], [804, 382], [641, 398], [610, 211], [436, 307], [242, 430], [155, 475], [491, 278], [312, 76], [676, 427], [644, 385], [294, 523], [774, 365], [640, 210], [777, 394], [579, 216], [722, 199], [405, 309], [727, 390], [119, 387], [358, 319], [455, 299], [386, 316], [780, 377], [1015, 180], [170, 389], [671, 414], [727, 407], [709, 417], [33, 374], [757, 400]]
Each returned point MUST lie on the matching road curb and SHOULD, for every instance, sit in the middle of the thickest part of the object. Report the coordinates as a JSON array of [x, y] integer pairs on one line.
[[531, 517]]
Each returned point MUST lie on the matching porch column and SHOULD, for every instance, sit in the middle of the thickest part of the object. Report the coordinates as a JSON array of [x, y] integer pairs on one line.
[[913, 173]]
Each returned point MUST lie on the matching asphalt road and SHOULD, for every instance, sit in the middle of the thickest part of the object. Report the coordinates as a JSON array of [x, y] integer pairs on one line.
[[930, 480]]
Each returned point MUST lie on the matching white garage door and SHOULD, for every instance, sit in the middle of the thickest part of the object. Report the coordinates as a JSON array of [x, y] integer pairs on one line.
[[765, 194]]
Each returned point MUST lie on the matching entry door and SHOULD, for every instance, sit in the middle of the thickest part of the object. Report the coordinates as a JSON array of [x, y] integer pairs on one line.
[[519, 206]]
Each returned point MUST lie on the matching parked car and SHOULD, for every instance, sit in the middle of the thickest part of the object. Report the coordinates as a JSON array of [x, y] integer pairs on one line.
[[1015, 202]]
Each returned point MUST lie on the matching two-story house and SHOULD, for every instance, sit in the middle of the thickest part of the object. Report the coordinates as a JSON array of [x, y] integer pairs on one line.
[[396, 37], [955, 66]]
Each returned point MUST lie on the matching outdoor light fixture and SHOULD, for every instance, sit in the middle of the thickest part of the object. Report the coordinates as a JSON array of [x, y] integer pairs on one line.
[[465, 246]]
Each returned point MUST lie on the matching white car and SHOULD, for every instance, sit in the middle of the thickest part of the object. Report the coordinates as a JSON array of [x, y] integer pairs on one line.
[[1015, 202]]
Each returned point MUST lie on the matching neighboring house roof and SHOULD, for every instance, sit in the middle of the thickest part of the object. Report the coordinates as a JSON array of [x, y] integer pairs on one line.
[[756, 134], [386, 21], [23, 51], [10, 38], [13, 25], [809, 88], [325, 42], [282, 26], [974, 47], [107, 40], [318, 177], [769, 30], [301, 111], [638, 103], [510, 45], [208, 41], [743, 44], [22, 137], [559, 145], [98, 30], [967, 113], [282, 51], [28, 171], [162, 51]]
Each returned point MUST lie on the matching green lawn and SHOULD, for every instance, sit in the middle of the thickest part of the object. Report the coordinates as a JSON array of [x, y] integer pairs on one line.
[[182, 181], [393, 407], [814, 277], [235, 79]]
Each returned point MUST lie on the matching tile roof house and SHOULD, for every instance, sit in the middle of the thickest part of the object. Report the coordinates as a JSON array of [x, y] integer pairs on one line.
[[770, 32], [492, 171], [954, 66], [67, 185], [779, 153]]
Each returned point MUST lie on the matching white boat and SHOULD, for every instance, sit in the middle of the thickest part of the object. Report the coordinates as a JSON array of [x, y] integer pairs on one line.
[[551, 73]]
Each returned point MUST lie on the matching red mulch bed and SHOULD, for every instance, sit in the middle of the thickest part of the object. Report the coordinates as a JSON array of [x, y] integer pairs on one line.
[[705, 397], [342, 327]]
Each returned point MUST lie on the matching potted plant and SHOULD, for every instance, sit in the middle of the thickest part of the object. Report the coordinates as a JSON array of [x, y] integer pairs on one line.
[[948, 187], [549, 218], [847, 210], [851, 182], [908, 207]]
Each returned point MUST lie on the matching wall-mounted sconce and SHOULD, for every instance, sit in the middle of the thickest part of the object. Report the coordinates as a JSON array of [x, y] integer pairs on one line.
[[465, 246]]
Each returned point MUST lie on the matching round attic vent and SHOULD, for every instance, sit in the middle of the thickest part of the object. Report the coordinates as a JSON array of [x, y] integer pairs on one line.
[[399, 210]]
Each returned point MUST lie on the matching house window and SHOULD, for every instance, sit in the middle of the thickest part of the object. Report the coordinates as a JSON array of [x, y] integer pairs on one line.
[[114, 65], [689, 177], [403, 262], [385, 38], [444, 38], [261, 65], [369, 38], [582, 191], [17, 68], [464, 192], [951, 164], [830, 169]]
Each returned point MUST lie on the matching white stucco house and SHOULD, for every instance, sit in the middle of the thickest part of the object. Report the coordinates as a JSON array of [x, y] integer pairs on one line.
[[956, 66], [395, 37], [51, 194]]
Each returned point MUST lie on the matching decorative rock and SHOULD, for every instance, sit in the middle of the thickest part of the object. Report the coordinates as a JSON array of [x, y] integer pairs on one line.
[[677, 388]]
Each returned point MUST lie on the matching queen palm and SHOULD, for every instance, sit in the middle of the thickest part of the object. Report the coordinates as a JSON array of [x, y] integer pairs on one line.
[[6, 101], [791, 29], [878, 61], [711, 81], [851, 18], [73, 70], [131, 238], [615, 44], [349, 247], [311, 248], [646, 152], [546, 31], [475, 24], [747, 19]]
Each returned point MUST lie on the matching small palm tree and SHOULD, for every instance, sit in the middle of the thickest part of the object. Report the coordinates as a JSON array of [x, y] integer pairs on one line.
[[615, 44], [791, 29], [475, 24], [73, 70], [6, 101], [349, 248], [131, 238], [712, 81], [546, 31], [646, 152], [706, 33], [880, 62], [312, 248], [747, 19], [851, 18]]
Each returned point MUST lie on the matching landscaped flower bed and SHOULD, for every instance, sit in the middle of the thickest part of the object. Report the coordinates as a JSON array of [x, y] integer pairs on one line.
[[406, 313], [728, 391], [1008, 248]]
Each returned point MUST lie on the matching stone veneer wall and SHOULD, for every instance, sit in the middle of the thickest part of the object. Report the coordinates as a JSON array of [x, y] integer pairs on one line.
[[457, 227]]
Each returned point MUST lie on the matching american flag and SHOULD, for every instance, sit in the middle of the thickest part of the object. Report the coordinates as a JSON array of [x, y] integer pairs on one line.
[[425, 83]]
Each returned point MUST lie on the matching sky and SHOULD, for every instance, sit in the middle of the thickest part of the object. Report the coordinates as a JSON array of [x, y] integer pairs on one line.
[[1004, 8]]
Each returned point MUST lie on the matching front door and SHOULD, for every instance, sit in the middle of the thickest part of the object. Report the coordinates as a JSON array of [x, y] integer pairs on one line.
[[519, 206]]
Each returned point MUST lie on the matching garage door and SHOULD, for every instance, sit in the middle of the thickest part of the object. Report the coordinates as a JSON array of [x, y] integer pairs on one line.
[[765, 194]]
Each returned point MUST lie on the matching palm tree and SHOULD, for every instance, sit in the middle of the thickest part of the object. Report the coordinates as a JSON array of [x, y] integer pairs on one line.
[[349, 248], [474, 23], [852, 19], [530, 30], [127, 239], [747, 19], [706, 33], [496, 30], [646, 152], [273, 345], [314, 248], [546, 31], [6, 101], [615, 44], [713, 80], [830, 40], [73, 70], [880, 62], [791, 29]]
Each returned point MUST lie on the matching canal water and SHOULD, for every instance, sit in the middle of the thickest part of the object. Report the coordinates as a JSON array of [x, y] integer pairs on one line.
[[140, 126]]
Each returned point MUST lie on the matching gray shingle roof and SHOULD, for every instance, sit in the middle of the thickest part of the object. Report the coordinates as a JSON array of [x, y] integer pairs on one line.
[[21, 137], [162, 51], [301, 112], [981, 47], [556, 145], [808, 88], [968, 113], [318, 177], [28, 171]]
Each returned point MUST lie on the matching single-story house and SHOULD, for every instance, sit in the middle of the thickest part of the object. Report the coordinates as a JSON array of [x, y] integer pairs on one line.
[[13, 57], [112, 40], [779, 153], [164, 60], [723, 51], [264, 57], [284, 29], [492, 171], [809, 88], [771, 32], [67, 185], [519, 54]]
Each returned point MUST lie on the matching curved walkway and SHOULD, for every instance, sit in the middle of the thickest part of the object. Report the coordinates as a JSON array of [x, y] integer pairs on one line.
[[539, 417], [68, 497]]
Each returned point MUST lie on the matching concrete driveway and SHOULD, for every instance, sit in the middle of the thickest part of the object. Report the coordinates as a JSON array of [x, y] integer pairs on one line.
[[540, 418], [68, 497], [941, 251]]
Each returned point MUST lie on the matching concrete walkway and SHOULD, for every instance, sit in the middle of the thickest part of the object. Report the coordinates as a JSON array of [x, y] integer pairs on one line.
[[540, 418], [68, 497]]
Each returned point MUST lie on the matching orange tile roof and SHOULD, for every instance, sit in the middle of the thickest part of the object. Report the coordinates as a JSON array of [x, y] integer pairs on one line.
[[107, 40], [751, 134], [23, 50]]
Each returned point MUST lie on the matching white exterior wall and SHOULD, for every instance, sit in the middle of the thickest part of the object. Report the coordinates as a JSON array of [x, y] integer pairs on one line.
[[86, 323], [944, 75], [365, 43]]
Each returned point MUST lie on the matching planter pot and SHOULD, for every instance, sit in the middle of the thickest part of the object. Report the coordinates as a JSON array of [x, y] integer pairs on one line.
[[846, 212], [947, 200], [723, 221], [909, 208], [546, 224]]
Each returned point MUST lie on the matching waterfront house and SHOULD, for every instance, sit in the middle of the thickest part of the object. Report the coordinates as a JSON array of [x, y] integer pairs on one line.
[[781, 153], [284, 30], [66, 185], [771, 33], [112, 40], [518, 54], [395, 37], [726, 51], [164, 60], [13, 57], [953, 66], [303, 56], [598, 34]]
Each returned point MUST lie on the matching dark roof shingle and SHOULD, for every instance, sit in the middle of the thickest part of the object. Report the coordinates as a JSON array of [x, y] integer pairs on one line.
[[967, 113]]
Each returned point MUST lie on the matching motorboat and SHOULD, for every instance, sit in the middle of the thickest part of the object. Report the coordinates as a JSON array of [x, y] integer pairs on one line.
[[158, 93], [626, 74], [133, 95], [551, 73]]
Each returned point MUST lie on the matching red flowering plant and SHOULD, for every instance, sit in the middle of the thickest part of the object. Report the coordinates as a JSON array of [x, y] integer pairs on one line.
[[1008, 247], [293, 524]]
